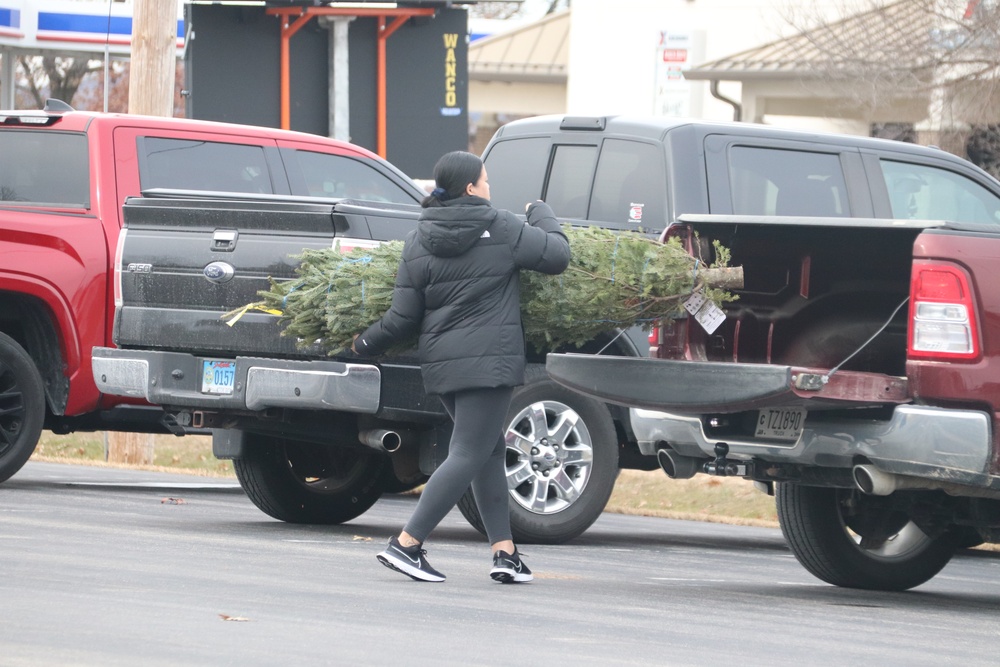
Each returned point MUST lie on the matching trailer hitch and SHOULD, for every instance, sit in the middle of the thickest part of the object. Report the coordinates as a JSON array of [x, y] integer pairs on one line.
[[721, 466]]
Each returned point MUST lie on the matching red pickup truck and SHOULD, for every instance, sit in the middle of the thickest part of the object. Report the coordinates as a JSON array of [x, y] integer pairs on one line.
[[64, 176], [855, 378]]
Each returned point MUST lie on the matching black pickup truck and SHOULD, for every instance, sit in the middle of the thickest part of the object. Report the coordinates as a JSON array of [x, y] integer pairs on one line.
[[316, 439], [309, 435]]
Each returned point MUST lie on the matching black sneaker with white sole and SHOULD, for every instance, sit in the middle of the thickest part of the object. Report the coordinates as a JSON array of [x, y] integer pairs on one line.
[[509, 568], [408, 560]]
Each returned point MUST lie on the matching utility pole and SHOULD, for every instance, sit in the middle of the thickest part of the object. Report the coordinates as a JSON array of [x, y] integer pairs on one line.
[[154, 58], [151, 93]]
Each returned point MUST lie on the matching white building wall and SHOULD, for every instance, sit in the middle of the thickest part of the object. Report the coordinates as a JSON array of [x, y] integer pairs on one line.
[[614, 50]]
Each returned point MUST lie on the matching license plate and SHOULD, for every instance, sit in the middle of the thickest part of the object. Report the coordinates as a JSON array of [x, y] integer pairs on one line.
[[218, 376], [780, 423]]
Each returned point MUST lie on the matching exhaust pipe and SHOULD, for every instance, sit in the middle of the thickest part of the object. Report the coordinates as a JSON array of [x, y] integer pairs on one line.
[[872, 481], [677, 466], [875, 482], [381, 439]]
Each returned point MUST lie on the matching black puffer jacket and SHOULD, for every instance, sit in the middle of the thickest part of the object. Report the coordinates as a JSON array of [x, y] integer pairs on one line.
[[457, 285]]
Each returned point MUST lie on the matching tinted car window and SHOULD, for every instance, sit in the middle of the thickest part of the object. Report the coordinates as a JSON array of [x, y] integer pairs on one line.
[[184, 164], [630, 187], [44, 168], [769, 181], [569, 184], [341, 176], [516, 171], [928, 193]]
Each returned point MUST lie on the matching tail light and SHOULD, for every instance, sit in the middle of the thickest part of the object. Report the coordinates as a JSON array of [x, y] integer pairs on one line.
[[942, 313], [119, 301]]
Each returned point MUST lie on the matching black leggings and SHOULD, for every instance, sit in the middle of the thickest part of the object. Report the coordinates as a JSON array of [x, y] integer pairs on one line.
[[476, 456]]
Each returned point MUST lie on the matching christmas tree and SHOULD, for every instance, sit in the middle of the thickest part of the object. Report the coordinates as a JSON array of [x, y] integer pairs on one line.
[[616, 279]]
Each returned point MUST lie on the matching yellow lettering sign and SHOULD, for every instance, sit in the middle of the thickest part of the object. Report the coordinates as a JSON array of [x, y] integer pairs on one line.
[[450, 69]]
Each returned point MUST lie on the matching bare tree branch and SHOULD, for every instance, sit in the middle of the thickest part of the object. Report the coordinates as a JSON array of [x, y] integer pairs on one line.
[[53, 76], [32, 82], [509, 10], [496, 10], [943, 54], [907, 48]]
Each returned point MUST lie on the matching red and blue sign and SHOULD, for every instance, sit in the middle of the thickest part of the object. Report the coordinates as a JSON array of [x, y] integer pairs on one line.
[[61, 25], [10, 22]]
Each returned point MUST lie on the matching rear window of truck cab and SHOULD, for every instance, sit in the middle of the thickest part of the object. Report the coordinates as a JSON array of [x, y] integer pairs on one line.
[[342, 176], [193, 164], [44, 168], [630, 185], [188, 164], [516, 172], [768, 181], [618, 183]]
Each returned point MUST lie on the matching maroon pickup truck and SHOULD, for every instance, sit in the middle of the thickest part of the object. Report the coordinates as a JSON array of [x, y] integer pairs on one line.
[[856, 378], [64, 176]]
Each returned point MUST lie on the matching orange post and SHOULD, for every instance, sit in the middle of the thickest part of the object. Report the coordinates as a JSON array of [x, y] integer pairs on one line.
[[382, 102], [287, 31], [380, 91], [304, 14]]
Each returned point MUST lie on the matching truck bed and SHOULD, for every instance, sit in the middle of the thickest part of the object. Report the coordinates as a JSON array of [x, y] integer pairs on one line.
[[815, 369]]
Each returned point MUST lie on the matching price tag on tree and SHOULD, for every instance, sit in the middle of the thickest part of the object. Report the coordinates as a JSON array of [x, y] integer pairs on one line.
[[708, 315]]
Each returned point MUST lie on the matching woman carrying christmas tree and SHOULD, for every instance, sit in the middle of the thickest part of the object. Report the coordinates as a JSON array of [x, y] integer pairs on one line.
[[457, 287]]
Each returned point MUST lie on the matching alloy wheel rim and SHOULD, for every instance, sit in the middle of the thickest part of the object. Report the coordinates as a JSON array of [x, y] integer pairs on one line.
[[12, 410], [550, 457], [324, 470], [889, 537]]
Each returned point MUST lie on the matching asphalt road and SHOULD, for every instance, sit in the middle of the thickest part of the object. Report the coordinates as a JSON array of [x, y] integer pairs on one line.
[[114, 567]]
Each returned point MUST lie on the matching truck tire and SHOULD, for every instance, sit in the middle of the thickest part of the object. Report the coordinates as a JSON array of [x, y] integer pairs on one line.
[[568, 491], [392, 484], [302, 482], [22, 407], [849, 539]]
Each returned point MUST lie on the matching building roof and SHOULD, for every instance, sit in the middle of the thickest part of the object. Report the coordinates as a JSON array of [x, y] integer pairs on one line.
[[536, 52], [876, 35]]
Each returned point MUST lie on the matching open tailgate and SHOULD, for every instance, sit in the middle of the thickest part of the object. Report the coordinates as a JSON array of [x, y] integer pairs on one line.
[[698, 387]]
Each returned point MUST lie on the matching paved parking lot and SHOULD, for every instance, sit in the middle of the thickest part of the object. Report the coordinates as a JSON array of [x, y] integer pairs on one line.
[[116, 567]]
